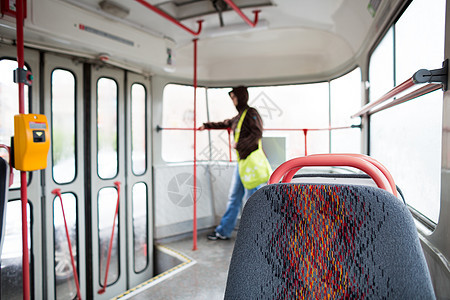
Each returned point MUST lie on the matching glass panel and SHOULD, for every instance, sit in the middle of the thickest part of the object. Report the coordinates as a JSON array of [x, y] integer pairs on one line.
[[107, 201], [140, 225], [292, 106], [64, 279], [346, 141], [415, 46], [220, 147], [298, 107], [413, 159], [381, 69], [220, 104], [220, 108], [63, 126], [316, 142], [138, 129], [280, 107], [413, 131], [345, 94], [107, 159], [308, 108], [11, 260], [178, 112], [9, 106]]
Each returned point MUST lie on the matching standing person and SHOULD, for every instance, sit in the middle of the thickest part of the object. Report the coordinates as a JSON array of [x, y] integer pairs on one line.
[[247, 127]]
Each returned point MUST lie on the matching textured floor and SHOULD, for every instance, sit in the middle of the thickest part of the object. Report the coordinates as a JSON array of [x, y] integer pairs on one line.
[[204, 280]]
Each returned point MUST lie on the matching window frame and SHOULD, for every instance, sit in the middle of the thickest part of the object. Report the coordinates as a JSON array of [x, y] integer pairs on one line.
[[418, 216], [145, 128], [116, 127], [75, 124], [357, 126]]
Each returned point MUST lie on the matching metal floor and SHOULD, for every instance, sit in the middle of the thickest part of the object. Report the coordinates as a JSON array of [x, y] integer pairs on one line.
[[204, 278]]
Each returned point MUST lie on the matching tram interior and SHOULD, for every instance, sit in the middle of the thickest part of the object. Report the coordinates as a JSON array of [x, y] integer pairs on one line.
[[116, 81]]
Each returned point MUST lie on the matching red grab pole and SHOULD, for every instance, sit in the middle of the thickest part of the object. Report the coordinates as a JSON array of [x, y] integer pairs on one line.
[[23, 174], [229, 141], [305, 132], [194, 238]]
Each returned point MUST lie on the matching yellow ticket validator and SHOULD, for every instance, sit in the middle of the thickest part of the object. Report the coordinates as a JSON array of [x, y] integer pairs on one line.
[[31, 142]]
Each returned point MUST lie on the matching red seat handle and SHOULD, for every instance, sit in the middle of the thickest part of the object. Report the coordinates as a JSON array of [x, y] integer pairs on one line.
[[335, 160], [290, 174]]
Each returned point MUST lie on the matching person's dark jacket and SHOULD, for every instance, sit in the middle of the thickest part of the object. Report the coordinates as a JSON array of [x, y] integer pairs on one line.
[[251, 130]]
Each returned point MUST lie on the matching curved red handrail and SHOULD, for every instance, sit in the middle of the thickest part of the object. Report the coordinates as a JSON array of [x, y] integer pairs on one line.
[[290, 174], [326, 160], [171, 19], [382, 168], [108, 260], [243, 16], [72, 259]]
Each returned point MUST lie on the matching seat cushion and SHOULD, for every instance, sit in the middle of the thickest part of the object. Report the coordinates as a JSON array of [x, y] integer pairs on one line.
[[4, 186], [300, 241]]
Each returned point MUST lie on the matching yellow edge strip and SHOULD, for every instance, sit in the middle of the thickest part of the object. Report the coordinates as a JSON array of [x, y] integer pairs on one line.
[[186, 259]]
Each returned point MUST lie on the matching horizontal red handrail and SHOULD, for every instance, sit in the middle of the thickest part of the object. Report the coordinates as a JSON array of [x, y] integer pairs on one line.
[[290, 174], [326, 160], [395, 91], [305, 132], [265, 129], [171, 19], [177, 128], [243, 16], [310, 129], [414, 94]]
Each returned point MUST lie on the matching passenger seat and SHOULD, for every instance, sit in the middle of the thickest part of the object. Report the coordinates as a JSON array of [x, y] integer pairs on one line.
[[327, 241]]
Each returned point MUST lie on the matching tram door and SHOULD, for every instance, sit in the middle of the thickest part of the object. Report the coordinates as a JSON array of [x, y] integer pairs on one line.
[[100, 140], [120, 173], [65, 173], [139, 180], [107, 149]]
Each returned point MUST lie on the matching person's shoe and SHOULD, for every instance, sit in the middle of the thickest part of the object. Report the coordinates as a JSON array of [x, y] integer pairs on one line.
[[214, 236]]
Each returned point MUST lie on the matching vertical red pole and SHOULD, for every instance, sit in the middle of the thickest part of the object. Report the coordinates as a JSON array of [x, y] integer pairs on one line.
[[229, 142], [23, 175], [305, 132], [194, 238]]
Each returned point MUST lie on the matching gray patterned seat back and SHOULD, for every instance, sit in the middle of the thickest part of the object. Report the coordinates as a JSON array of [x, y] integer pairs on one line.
[[319, 241], [4, 186]]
